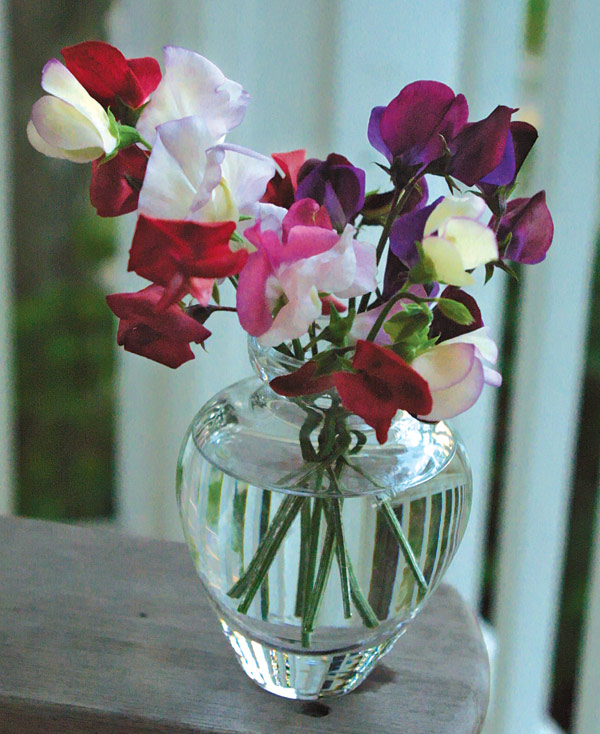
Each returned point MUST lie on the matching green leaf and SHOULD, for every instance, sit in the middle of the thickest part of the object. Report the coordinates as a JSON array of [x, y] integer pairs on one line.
[[489, 271], [503, 265], [215, 294], [330, 361], [455, 311]]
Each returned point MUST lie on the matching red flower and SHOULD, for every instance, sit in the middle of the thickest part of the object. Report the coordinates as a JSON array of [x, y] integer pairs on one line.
[[162, 335], [108, 76], [382, 384], [116, 184], [281, 190], [180, 255]]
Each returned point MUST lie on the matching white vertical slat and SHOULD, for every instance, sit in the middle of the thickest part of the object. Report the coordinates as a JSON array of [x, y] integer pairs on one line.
[[491, 30], [548, 371], [6, 298], [587, 707]]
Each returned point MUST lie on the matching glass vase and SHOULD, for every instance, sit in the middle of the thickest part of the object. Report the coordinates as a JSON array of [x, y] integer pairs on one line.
[[315, 567]]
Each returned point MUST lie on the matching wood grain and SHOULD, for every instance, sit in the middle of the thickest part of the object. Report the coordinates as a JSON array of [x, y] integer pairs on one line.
[[102, 633]]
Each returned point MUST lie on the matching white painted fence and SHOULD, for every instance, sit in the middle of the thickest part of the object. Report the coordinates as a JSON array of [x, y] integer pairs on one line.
[[314, 70]]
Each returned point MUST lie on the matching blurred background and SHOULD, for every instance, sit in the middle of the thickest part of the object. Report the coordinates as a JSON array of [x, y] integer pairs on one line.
[[89, 435]]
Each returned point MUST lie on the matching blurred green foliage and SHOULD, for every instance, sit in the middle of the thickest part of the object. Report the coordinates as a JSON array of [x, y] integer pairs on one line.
[[65, 387]]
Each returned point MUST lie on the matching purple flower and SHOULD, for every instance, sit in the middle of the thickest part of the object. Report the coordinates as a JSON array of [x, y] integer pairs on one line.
[[412, 129], [530, 225], [425, 128], [336, 184], [478, 151], [446, 328]]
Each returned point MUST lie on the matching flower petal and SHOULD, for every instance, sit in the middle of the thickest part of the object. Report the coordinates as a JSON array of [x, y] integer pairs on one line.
[[457, 399], [447, 261], [192, 85], [475, 242]]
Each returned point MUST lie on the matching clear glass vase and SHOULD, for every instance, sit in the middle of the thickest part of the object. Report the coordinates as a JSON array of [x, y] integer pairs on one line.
[[314, 574]]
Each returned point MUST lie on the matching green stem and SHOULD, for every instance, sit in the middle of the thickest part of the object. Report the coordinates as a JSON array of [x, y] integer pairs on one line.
[[384, 313], [298, 350], [313, 341], [282, 520], [335, 513], [265, 510], [360, 601], [305, 527], [407, 551], [315, 528], [308, 621]]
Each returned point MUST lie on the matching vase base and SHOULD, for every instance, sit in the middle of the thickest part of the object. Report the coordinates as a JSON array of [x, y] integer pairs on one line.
[[304, 676]]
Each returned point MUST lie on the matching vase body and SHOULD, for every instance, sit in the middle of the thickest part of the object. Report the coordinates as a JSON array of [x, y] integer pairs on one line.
[[241, 470]]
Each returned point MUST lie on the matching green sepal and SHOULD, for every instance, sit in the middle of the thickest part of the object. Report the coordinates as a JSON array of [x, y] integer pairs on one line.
[[489, 271], [339, 326], [216, 296], [424, 270], [330, 361], [407, 323], [503, 265], [455, 311]]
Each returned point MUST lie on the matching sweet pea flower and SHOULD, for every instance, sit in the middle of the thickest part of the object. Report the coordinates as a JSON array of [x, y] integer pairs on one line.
[[336, 184], [455, 373], [382, 383], [116, 184], [109, 77], [425, 127], [184, 256], [281, 190], [161, 335], [452, 236], [530, 225], [519, 142], [278, 289], [188, 177], [194, 86], [68, 123], [412, 129]]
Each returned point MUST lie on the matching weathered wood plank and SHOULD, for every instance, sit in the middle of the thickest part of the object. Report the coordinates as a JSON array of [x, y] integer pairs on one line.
[[105, 633]]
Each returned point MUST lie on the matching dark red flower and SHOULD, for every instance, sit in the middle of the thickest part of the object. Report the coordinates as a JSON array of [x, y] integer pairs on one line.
[[176, 253], [109, 77], [302, 382], [383, 384], [161, 335], [281, 189], [116, 184]]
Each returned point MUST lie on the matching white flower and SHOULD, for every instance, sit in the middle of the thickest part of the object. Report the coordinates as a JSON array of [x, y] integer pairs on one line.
[[193, 86], [455, 241], [190, 178], [68, 123]]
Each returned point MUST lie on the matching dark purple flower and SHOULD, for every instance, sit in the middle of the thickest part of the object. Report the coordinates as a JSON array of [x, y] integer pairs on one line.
[[530, 225], [412, 129], [446, 328], [519, 142], [336, 184], [478, 151], [377, 206]]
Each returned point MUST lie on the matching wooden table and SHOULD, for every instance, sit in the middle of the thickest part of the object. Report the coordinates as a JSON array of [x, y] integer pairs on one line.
[[107, 634]]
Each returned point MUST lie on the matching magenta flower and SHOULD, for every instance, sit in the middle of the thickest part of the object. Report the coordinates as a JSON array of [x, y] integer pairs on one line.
[[414, 125], [530, 225], [278, 289], [161, 335], [336, 184]]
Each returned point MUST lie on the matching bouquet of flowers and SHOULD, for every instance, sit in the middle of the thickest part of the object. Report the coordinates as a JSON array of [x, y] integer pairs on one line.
[[377, 328]]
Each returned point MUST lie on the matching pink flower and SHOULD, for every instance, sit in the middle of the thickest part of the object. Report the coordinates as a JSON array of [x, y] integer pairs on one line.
[[278, 290], [161, 335], [281, 190]]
